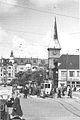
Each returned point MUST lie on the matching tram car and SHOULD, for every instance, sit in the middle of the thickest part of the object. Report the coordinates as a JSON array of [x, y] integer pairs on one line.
[[46, 88]]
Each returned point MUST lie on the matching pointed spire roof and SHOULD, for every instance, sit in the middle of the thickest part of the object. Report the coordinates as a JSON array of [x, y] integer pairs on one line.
[[55, 30], [11, 54], [54, 42]]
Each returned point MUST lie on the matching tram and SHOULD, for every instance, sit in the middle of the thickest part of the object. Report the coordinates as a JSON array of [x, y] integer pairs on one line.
[[46, 88]]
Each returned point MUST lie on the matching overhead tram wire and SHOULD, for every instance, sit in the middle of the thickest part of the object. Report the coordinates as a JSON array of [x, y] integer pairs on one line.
[[31, 44], [37, 10], [25, 32], [75, 33]]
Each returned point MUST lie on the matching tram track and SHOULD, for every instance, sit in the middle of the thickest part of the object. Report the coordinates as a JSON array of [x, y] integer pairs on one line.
[[69, 107], [72, 105], [77, 100]]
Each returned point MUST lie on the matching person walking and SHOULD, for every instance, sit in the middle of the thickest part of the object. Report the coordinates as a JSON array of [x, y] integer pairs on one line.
[[16, 111], [25, 92], [59, 93], [70, 92]]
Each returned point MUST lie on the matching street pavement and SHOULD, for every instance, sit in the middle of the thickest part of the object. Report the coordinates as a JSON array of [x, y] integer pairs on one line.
[[65, 108]]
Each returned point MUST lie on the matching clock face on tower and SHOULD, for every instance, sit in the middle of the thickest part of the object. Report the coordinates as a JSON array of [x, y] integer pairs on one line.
[[54, 52]]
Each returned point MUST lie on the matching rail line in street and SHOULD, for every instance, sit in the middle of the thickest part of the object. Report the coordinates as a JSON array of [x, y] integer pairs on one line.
[[69, 107]]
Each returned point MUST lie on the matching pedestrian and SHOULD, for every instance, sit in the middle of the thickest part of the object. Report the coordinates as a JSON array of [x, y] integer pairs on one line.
[[63, 91], [52, 93], [25, 92], [59, 93], [16, 111], [70, 92]]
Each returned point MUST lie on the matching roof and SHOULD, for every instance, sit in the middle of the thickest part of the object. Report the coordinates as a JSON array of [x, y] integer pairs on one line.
[[33, 61], [54, 42], [69, 62], [21, 61]]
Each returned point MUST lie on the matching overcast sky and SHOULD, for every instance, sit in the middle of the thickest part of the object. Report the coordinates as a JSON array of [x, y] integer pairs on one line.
[[25, 26]]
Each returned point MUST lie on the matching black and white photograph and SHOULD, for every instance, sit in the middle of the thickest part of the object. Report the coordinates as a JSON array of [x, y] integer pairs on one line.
[[39, 60]]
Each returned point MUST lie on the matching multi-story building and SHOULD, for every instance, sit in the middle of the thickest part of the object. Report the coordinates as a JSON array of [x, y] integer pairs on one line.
[[69, 70]]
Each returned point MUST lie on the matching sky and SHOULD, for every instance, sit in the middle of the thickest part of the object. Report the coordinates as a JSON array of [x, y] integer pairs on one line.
[[25, 26]]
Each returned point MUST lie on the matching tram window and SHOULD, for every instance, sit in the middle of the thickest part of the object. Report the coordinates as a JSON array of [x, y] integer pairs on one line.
[[45, 85], [48, 85]]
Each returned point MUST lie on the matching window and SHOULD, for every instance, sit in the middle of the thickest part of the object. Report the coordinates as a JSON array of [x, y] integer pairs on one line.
[[9, 67], [1, 69], [28, 61], [22, 61], [15, 69], [9, 74], [63, 73], [78, 73], [48, 85], [9, 79], [43, 62], [45, 85], [73, 82], [78, 82], [34, 61], [21, 68], [71, 73], [4, 73]]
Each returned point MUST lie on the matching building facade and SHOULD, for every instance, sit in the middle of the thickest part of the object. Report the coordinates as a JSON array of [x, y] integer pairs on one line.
[[69, 70]]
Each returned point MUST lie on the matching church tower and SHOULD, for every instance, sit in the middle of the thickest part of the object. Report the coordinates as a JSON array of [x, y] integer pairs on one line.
[[11, 59], [53, 50]]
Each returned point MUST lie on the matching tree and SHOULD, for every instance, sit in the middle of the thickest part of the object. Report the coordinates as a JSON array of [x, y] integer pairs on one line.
[[14, 81], [23, 77], [34, 76], [38, 76]]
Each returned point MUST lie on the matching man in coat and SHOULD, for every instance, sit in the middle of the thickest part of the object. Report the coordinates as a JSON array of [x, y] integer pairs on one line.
[[17, 111]]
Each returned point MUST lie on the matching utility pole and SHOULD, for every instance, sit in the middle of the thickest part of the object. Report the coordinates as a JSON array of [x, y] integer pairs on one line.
[[66, 69]]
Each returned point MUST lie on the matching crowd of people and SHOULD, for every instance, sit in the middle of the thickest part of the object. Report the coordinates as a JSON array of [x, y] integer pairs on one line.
[[16, 107], [64, 90], [35, 91]]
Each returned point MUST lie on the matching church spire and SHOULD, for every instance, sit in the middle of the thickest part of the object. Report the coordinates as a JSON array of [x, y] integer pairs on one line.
[[11, 54], [54, 42], [55, 30]]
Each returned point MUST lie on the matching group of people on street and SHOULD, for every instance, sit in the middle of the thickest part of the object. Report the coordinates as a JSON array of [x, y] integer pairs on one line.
[[61, 91], [17, 111], [16, 108], [31, 90]]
